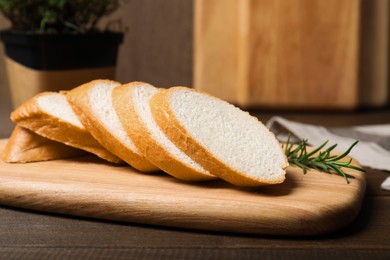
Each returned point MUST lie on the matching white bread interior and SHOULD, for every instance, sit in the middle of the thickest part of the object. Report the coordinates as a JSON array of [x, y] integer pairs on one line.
[[50, 115], [131, 102], [225, 140], [187, 133], [56, 105], [92, 103]]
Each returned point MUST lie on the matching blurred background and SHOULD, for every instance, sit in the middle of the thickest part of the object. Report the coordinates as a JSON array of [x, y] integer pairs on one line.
[[157, 47], [310, 55]]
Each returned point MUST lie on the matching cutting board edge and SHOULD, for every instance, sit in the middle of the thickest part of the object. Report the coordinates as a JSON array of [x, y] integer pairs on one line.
[[82, 210]]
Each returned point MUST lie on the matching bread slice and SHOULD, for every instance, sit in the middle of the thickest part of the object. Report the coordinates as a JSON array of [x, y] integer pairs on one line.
[[25, 146], [50, 115], [225, 140], [92, 102], [131, 102]]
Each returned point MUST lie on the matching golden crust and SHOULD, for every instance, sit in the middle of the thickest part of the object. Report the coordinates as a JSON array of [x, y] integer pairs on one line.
[[30, 116], [165, 118], [145, 142], [25, 146], [79, 99]]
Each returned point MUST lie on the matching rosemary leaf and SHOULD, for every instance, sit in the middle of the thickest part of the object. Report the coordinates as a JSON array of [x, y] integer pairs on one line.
[[319, 160]]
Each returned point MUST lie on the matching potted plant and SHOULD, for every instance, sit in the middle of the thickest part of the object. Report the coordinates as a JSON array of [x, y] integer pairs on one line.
[[57, 44]]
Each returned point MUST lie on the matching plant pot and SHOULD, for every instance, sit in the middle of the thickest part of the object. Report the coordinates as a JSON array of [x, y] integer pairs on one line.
[[50, 62]]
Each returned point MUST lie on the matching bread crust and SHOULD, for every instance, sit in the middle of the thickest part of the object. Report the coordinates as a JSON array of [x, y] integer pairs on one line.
[[144, 140], [25, 146], [32, 117], [165, 118], [80, 102]]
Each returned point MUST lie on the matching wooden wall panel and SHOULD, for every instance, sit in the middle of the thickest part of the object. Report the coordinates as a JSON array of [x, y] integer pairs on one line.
[[158, 45], [219, 43], [4, 92], [374, 53], [6, 125], [314, 45], [158, 48], [291, 54]]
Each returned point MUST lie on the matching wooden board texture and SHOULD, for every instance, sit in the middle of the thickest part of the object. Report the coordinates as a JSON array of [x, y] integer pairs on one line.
[[310, 204], [310, 54], [298, 53]]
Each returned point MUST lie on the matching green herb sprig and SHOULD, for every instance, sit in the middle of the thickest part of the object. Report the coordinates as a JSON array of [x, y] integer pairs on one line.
[[319, 160], [57, 16]]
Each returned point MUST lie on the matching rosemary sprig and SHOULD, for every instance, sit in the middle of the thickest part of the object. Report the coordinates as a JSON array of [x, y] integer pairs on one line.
[[319, 160]]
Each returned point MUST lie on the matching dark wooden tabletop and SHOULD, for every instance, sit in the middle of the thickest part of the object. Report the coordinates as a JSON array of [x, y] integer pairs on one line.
[[36, 235]]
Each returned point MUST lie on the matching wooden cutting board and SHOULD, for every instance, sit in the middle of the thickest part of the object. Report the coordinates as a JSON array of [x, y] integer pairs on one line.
[[303, 54], [309, 204]]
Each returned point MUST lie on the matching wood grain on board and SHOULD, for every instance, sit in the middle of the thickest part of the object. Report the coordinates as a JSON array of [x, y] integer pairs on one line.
[[309, 204], [292, 54]]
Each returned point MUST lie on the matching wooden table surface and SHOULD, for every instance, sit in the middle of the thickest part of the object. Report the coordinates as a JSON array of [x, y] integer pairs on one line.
[[36, 235]]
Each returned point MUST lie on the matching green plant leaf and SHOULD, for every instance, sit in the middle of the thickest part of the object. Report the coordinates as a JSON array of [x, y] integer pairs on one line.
[[319, 160]]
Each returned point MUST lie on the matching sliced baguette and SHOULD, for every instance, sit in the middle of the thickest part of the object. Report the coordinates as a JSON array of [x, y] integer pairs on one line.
[[25, 146], [92, 102], [131, 102], [50, 115], [225, 140]]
